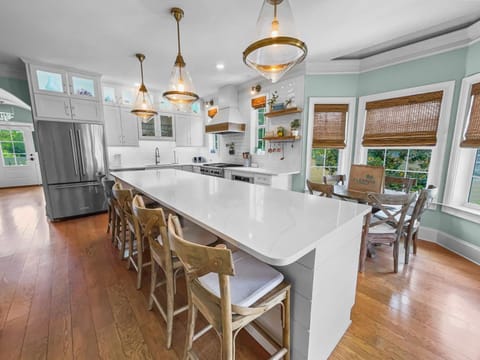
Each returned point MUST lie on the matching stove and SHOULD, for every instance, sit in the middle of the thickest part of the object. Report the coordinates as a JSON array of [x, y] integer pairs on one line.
[[216, 169]]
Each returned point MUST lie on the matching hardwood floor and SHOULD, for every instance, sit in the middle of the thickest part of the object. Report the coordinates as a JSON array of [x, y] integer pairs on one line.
[[64, 294]]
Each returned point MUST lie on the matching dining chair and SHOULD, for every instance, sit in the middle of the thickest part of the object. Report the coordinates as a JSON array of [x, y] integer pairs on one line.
[[334, 179], [366, 178], [399, 183], [412, 222], [123, 211], [387, 230], [230, 292], [162, 255], [322, 189]]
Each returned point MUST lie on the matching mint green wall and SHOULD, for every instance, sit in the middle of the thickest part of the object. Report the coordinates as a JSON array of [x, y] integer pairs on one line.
[[472, 65], [452, 65], [19, 88]]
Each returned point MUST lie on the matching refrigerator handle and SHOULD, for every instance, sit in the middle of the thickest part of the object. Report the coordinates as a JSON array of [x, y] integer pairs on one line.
[[74, 151], [80, 153]]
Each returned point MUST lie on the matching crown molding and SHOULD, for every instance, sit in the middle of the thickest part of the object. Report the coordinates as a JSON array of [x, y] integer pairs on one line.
[[439, 44]]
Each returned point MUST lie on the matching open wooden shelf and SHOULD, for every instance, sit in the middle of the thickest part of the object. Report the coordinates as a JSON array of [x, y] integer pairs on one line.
[[281, 138], [283, 112]]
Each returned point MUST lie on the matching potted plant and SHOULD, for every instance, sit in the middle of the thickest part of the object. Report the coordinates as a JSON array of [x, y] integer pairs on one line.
[[294, 125], [272, 101]]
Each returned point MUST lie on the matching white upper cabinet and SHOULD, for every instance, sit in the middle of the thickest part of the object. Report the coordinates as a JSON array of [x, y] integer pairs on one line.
[[49, 80], [83, 86], [60, 94], [120, 126], [159, 127], [189, 130]]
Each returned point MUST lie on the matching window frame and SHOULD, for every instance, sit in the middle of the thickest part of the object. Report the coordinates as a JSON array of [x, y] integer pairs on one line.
[[438, 151], [344, 155], [462, 161], [254, 130]]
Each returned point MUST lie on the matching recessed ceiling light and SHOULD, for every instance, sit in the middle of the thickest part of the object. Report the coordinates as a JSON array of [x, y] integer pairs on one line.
[[220, 66]]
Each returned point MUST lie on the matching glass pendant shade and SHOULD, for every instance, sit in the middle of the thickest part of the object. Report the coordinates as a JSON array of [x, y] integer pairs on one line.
[[277, 48], [180, 87], [143, 106]]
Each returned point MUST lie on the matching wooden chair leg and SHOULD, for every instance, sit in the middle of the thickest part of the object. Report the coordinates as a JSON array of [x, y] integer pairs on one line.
[[192, 315], [139, 265], [123, 237], [170, 303], [414, 240], [363, 244], [115, 226], [153, 284], [286, 325], [227, 345], [396, 247], [130, 258], [407, 248]]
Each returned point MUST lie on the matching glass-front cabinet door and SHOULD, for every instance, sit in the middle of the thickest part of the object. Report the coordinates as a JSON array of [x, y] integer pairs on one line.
[[159, 127], [49, 80], [83, 86]]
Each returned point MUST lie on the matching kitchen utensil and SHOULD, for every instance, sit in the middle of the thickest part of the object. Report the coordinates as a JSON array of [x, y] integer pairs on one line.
[[283, 152]]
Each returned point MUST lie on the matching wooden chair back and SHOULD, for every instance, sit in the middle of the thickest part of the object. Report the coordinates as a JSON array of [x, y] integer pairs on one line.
[[424, 199], [123, 198], [394, 207], [334, 179], [398, 183], [366, 178], [151, 222], [322, 189], [199, 260]]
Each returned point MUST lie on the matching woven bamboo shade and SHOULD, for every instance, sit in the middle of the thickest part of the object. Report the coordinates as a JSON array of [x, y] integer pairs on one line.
[[472, 135], [403, 121], [329, 126]]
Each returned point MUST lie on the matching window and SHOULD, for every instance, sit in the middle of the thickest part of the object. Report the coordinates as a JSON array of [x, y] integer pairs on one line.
[[213, 143], [13, 148], [260, 133], [462, 190], [323, 162], [474, 195], [329, 128], [406, 131], [405, 163]]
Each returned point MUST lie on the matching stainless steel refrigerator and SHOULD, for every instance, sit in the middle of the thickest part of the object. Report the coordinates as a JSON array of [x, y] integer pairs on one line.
[[72, 157]]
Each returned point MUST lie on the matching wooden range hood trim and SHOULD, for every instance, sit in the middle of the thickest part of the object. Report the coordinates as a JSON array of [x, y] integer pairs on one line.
[[225, 127]]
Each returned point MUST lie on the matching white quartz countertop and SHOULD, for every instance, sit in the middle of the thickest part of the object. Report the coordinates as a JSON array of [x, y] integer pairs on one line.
[[276, 226]]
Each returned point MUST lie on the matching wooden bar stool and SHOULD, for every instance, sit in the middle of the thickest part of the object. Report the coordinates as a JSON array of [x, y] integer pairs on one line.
[[137, 243], [122, 207], [230, 292], [154, 228], [107, 190]]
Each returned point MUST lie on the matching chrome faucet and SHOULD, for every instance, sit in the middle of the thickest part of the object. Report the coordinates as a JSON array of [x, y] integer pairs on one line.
[[157, 156]]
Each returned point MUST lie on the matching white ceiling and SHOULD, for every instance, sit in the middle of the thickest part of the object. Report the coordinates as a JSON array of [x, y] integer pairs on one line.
[[103, 35]]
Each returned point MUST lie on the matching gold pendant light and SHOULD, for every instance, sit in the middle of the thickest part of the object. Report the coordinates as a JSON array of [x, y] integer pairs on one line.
[[180, 88], [277, 49], [143, 106]]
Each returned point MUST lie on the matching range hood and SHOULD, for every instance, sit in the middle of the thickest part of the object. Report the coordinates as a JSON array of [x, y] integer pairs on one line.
[[228, 119]]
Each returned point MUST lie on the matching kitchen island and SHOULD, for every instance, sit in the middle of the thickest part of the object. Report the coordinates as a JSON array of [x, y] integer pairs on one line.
[[313, 241]]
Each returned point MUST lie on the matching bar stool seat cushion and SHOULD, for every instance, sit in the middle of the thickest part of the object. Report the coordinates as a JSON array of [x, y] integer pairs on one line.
[[193, 233], [253, 279]]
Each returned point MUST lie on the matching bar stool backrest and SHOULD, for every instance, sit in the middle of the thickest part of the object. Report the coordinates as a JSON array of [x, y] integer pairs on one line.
[[322, 189]]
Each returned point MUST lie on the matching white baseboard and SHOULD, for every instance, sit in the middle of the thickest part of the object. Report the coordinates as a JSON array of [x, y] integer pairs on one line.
[[460, 247]]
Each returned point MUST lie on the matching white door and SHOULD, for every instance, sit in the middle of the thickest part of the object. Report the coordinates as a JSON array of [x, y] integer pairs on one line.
[[85, 110], [113, 127], [19, 162], [129, 127], [50, 107], [182, 130], [196, 131]]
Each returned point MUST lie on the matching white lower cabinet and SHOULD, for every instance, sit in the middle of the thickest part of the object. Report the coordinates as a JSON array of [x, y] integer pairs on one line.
[[263, 179], [121, 126], [189, 130], [54, 107]]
